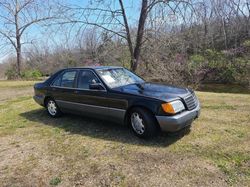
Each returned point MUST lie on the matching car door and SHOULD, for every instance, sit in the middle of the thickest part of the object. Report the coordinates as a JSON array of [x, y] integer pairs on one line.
[[62, 89], [94, 102]]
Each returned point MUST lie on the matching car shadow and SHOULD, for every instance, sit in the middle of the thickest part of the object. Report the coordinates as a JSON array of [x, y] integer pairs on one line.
[[74, 124]]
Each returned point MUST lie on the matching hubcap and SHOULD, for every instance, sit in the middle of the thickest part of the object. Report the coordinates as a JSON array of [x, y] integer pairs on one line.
[[52, 107], [137, 123]]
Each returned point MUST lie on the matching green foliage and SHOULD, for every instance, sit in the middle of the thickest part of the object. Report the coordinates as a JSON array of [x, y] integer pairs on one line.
[[242, 70], [227, 74], [10, 73], [215, 58], [31, 74], [55, 181], [196, 61], [246, 43], [26, 74], [197, 58], [223, 66]]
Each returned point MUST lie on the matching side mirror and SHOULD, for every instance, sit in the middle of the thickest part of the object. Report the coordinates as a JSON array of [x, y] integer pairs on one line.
[[96, 86]]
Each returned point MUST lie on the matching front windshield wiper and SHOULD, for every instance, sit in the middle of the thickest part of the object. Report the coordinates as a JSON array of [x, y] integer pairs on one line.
[[139, 85]]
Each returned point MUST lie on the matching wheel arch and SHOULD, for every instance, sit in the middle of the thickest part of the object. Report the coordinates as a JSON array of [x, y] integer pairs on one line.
[[138, 105], [46, 99]]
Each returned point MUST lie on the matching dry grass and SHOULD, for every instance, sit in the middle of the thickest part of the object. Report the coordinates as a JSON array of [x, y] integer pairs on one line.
[[36, 150], [14, 89], [16, 84]]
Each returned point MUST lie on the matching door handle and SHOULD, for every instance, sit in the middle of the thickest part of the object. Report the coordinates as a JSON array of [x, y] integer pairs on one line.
[[76, 91]]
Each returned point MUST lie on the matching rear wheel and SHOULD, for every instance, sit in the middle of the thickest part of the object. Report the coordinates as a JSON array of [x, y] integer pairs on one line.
[[52, 108], [143, 123]]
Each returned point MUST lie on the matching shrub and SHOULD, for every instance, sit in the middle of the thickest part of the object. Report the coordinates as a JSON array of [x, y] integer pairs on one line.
[[196, 61], [10, 73], [31, 74], [246, 43]]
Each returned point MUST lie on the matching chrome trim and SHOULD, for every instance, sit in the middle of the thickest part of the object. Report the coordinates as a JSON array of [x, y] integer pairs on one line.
[[79, 89], [190, 101]]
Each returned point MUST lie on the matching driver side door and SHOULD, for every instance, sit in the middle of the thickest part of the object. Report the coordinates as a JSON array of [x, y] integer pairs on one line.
[[91, 102]]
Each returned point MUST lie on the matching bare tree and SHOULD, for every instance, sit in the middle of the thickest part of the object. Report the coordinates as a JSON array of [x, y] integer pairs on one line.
[[16, 17], [115, 20]]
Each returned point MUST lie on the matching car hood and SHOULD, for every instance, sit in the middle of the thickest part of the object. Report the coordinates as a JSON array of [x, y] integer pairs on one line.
[[158, 91]]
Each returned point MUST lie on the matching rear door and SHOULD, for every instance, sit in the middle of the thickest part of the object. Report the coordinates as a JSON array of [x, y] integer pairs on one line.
[[62, 89]]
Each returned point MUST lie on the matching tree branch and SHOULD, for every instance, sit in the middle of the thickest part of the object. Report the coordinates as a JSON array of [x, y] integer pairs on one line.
[[24, 27], [9, 38]]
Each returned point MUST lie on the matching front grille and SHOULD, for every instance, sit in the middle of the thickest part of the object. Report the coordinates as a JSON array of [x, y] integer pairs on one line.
[[191, 101]]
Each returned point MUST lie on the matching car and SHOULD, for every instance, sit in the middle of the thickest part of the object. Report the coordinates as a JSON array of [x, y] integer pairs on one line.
[[117, 94]]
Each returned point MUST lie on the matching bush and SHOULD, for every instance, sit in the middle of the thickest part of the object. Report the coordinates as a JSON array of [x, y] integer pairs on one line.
[[196, 61], [246, 43], [10, 73], [31, 74]]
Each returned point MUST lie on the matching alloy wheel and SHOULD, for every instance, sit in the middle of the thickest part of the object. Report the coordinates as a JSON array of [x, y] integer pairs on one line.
[[52, 108], [137, 123]]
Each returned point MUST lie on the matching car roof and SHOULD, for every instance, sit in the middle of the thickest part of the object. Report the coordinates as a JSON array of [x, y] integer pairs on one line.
[[95, 67]]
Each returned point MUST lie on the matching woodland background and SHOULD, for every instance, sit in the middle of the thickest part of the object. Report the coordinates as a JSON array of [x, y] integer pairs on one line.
[[179, 42]]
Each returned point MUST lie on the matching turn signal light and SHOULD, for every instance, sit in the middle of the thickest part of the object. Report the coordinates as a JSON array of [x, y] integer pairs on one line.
[[168, 108]]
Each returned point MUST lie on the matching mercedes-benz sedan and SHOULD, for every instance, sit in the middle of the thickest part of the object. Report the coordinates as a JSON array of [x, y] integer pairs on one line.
[[115, 93]]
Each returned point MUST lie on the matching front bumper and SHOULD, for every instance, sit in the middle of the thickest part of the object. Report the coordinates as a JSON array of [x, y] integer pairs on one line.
[[179, 121]]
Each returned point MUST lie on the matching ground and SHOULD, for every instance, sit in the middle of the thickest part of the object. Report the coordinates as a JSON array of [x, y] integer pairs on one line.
[[36, 150]]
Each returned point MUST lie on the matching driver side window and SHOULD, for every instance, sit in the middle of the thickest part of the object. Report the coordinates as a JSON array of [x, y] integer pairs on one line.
[[86, 77]]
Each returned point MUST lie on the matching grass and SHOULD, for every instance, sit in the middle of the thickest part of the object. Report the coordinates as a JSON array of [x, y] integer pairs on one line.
[[16, 84], [224, 88], [77, 151], [15, 89], [55, 181]]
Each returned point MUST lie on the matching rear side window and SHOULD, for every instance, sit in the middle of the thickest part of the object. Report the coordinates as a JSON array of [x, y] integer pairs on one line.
[[65, 80], [57, 81]]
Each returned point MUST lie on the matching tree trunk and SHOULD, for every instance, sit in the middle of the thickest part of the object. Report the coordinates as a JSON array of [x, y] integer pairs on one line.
[[129, 40], [224, 33], [139, 36], [18, 59], [18, 42]]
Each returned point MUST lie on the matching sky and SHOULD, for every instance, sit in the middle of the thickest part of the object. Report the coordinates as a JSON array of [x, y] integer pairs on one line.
[[36, 33]]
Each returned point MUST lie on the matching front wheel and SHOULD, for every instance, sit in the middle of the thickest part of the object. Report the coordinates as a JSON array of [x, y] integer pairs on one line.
[[143, 123], [52, 108]]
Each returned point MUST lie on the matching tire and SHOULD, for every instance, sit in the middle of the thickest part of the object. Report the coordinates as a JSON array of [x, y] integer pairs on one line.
[[143, 123], [52, 108]]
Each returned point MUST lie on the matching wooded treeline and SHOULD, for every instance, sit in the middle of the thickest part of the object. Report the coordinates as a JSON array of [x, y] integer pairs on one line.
[[179, 42]]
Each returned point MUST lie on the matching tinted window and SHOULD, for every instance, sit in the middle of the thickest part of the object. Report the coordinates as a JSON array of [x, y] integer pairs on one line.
[[57, 81], [86, 77], [65, 80]]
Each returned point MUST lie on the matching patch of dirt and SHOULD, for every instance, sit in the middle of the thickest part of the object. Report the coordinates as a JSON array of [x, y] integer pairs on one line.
[[9, 93]]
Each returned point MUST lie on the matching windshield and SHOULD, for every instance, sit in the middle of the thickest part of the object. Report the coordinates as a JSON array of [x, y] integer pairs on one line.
[[118, 77]]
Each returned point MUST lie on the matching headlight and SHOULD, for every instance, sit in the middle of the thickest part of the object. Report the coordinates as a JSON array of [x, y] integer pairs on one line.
[[173, 107]]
